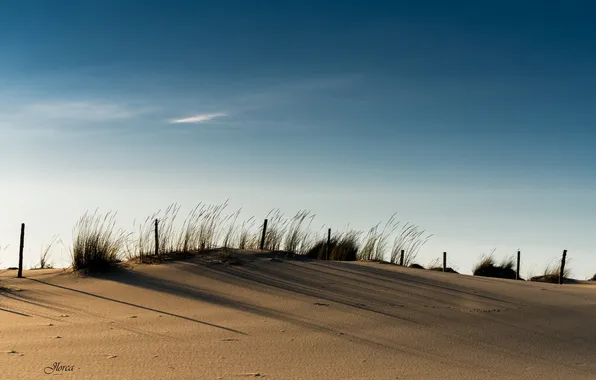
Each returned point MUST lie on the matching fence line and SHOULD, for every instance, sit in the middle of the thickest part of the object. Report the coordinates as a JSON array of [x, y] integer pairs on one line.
[[561, 278]]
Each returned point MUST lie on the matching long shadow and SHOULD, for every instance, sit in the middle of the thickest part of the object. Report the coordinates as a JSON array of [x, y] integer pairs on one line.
[[265, 276], [27, 300], [264, 279], [407, 279], [141, 280], [139, 306], [404, 290], [15, 312]]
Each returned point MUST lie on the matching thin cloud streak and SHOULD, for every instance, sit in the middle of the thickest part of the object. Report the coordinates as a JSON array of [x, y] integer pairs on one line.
[[200, 118]]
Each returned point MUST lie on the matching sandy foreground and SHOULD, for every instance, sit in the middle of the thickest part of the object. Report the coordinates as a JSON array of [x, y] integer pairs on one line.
[[262, 315]]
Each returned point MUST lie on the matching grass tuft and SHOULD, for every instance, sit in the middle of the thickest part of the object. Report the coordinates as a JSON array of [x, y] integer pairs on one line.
[[296, 235], [276, 227], [552, 272], [375, 243], [488, 267], [342, 247], [97, 244], [410, 239]]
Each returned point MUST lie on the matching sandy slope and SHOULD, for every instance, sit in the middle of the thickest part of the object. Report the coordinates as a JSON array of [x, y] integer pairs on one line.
[[293, 319]]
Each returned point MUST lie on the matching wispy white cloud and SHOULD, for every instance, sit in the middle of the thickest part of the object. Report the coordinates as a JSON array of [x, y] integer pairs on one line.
[[200, 118]]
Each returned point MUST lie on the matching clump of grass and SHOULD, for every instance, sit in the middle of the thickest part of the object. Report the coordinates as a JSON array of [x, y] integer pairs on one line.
[[228, 238], [209, 228], [296, 235], [489, 267], [342, 247], [143, 247], [552, 273], [200, 230], [274, 234], [247, 238], [410, 239], [375, 242], [97, 243]]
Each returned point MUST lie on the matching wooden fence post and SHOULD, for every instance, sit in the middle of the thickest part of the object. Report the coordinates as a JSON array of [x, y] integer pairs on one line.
[[263, 236], [562, 274], [21, 247], [328, 243], [518, 260], [401, 258], [444, 261], [156, 237]]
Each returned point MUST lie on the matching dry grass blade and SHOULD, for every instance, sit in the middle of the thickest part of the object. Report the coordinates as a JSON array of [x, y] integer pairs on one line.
[[44, 257]]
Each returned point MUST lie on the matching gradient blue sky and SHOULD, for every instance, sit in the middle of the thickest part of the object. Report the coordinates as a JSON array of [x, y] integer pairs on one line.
[[475, 120]]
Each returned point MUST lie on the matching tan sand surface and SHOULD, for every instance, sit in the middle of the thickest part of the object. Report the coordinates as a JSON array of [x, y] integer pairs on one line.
[[286, 318]]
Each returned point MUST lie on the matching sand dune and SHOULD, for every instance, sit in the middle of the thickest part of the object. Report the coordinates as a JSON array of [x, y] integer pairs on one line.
[[265, 315]]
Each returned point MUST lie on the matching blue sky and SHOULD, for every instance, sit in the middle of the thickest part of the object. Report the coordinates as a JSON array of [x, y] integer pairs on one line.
[[475, 121]]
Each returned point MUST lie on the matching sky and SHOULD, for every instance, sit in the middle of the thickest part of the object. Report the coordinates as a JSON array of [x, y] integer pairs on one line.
[[474, 120]]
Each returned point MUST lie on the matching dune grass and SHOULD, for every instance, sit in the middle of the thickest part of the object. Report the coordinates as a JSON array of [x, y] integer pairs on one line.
[[410, 239], [488, 266], [375, 242], [297, 234], [44, 256], [552, 272], [342, 247], [246, 238], [97, 244], [276, 228]]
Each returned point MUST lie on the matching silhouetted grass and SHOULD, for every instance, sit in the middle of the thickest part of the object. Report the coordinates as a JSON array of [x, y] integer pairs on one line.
[[247, 239], [488, 267], [342, 247], [206, 227], [276, 227], [97, 243], [552, 272], [296, 235], [375, 243], [410, 239]]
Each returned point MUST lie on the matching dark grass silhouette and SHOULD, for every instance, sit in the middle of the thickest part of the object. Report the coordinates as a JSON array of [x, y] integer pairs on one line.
[[488, 267], [341, 248]]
